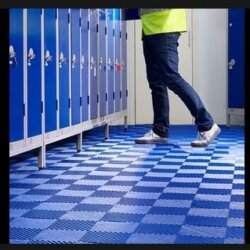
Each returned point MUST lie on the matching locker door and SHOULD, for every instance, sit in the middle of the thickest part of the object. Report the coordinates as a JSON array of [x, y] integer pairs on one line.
[[64, 101], [16, 102], [124, 65], [102, 61], [34, 72], [93, 64], [236, 58], [75, 65], [85, 63], [117, 60], [50, 69], [110, 64]]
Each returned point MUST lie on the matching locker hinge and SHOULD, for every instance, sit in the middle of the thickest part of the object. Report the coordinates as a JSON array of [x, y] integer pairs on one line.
[[23, 109], [68, 18], [113, 95], [41, 107], [69, 102], [97, 98], [41, 11], [120, 34], [80, 21], [113, 32], [126, 36], [88, 100], [126, 93], [106, 97], [120, 94], [80, 101], [105, 30], [97, 28], [56, 104], [56, 13], [88, 24]]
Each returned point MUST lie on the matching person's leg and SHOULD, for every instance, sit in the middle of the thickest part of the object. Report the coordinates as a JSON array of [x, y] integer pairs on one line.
[[159, 92], [168, 63]]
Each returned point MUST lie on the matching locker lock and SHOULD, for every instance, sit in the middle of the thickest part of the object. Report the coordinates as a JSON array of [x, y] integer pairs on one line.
[[92, 62], [231, 63], [82, 61], [47, 57], [74, 60], [122, 65], [12, 56], [62, 59], [100, 63], [31, 56], [109, 64], [117, 65]]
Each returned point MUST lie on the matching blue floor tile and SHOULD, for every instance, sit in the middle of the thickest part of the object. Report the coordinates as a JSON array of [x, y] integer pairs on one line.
[[117, 192]]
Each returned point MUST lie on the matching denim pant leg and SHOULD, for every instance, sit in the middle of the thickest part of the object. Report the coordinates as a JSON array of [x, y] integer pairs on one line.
[[165, 48], [159, 90]]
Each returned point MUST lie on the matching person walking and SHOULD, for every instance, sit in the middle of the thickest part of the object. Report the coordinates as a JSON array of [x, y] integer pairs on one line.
[[161, 30]]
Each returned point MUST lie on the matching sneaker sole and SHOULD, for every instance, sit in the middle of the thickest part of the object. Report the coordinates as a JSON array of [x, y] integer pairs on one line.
[[205, 145], [163, 141]]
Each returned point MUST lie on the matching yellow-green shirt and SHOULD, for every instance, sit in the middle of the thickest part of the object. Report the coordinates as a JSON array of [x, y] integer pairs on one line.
[[156, 21]]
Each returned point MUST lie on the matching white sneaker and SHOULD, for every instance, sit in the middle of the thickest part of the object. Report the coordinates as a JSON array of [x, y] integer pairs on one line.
[[206, 137], [151, 138]]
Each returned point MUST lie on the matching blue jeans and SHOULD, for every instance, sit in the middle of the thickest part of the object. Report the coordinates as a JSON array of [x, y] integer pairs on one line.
[[161, 57]]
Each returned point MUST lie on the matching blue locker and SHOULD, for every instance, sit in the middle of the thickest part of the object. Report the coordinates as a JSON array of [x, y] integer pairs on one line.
[[75, 66], [85, 63], [64, 100], [124, 65], [34, 74], [110, 67], [102, 61], [93, 64], [16, 103], [50, 69], [117, 60], [236, 56]]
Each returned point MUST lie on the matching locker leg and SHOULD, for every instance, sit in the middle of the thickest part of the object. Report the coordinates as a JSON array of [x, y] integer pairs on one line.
[[125, 123], [42, 157], [106, 131], [79, 143]]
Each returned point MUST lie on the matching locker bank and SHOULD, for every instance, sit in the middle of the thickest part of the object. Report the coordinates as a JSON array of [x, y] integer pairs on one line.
[[78, 99]]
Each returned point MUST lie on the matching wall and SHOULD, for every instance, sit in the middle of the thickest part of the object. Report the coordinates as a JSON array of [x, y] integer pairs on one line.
[[210, 59]]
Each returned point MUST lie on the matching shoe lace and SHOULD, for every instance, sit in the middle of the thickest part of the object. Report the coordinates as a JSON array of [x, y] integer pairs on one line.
[[150, 133], [201, 136]]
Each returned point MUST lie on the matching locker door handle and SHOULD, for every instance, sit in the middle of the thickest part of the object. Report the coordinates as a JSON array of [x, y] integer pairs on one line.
[[12, 56], [231, 63], [47, 57], [74, 60], [31, 56], [82, 61], [62, 59]]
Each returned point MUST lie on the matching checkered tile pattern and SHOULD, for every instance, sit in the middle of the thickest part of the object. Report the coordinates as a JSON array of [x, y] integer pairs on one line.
[[115, 191]]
